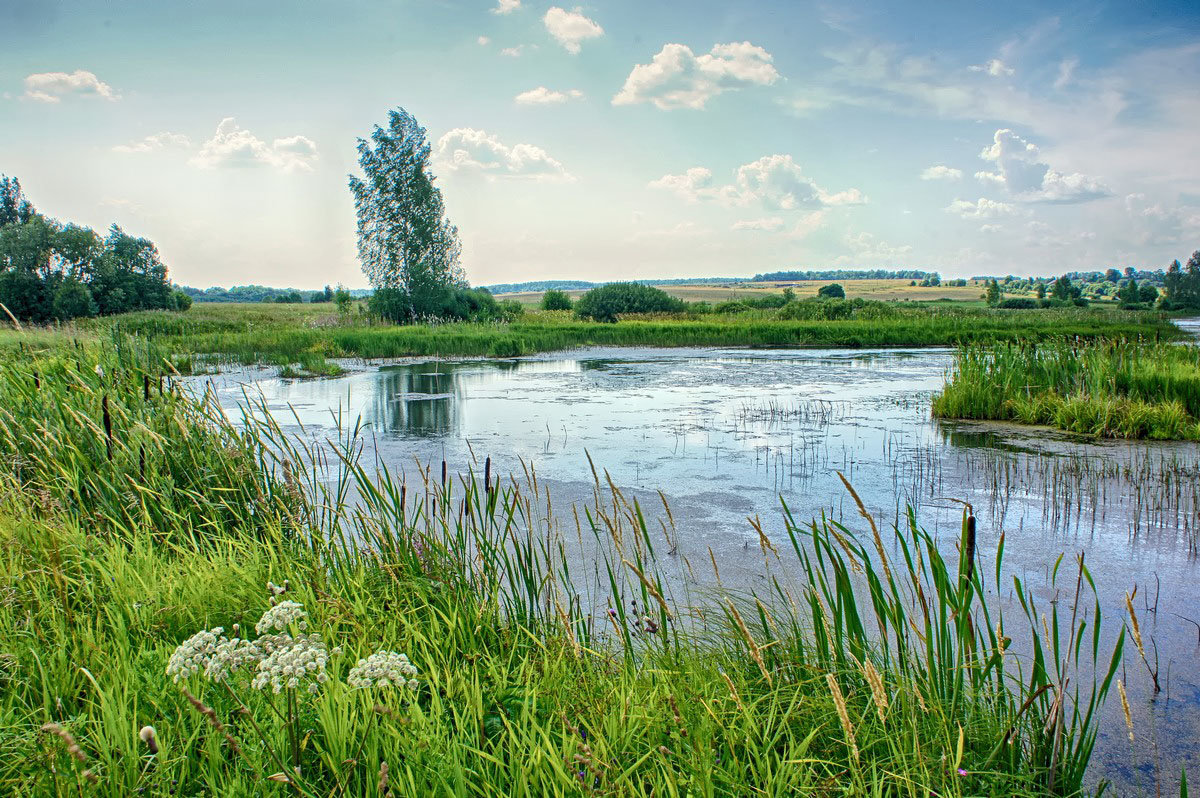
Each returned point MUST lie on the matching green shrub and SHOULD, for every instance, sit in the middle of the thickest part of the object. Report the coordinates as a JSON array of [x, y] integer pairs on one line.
[[1018, 303], [73, 300], [556, 300], [607, 302], [831, 291], [180, 300]]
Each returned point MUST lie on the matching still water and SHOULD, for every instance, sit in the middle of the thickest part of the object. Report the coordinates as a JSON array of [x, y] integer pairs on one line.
[[727, 434]]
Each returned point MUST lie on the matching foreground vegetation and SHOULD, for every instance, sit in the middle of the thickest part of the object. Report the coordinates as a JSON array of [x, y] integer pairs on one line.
[[135, 517], [1116, 389], [307, 337]]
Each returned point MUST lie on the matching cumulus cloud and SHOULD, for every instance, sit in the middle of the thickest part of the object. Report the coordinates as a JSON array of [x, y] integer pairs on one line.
[[233, 146], [483, 41], [868, 248], [1020, 170], [775, 181], [466, 149], [983, 208], [156, 141], [940, 172], [767, 225], [678, 78], [570, 28], [543, 96], [513, 52], [506, 6], [996, 68], [51, 87]]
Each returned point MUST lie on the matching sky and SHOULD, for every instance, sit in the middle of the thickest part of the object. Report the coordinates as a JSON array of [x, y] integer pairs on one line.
[[619, 139]]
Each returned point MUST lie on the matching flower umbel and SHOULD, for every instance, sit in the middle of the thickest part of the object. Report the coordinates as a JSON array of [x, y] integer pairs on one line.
[[291, 665], [281, 616], [384, 669]]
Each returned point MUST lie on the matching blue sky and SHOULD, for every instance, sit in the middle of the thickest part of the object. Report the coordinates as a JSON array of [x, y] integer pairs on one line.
[[619, 140]]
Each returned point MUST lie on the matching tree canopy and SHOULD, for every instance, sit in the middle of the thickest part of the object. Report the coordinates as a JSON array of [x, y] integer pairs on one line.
[[407, 246], [50, 270]]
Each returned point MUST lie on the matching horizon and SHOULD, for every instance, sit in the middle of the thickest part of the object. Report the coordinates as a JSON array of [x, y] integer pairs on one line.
[[608, 142]]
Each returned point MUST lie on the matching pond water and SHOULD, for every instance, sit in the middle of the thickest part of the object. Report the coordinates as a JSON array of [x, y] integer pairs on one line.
[[725, 434]]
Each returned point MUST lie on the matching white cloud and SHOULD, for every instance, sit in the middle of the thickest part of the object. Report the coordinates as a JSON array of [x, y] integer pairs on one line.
[[996, 68], [233, 146], [543, 96], [156, 141], [513, 52], [768, 225], [678, 78], [469, 150], [506, 6], [775, 181], [982, 209], [940, 172], [1066, 73], [866, 248], [51, 87], [483, 41], [1020, 170], [570, 28], [990, 228]]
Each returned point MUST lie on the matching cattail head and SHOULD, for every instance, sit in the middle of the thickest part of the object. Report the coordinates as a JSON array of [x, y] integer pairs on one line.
[[150, 738]]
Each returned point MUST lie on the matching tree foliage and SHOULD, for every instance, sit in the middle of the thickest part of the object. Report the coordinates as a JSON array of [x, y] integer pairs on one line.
[[556, 300], [831, 291], [55, 271], [1182, 285], [407, 246]]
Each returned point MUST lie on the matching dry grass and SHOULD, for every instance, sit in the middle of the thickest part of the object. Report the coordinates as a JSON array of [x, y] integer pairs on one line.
[[894, 290]]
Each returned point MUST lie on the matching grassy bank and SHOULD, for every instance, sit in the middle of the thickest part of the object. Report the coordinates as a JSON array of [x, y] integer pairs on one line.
[[283, 335], [1116, 389], [137, 518]]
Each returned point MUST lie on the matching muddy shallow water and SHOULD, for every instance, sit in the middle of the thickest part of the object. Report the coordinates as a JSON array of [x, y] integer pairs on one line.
[[726, 433]]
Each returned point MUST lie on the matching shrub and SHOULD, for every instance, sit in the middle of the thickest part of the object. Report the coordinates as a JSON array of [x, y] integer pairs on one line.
[[607, 302], [556, 300], [1018, 303], [72, 300], [732, 306], [180, 300], [831, 291]]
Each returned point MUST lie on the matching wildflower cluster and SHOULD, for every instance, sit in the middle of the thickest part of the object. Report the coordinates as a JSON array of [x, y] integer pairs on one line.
[[290, 666], [281, 616], [194, 654], [384, 669]]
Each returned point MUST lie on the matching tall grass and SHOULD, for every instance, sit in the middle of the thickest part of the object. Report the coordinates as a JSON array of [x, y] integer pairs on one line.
[[1117, 389], [258, 334], [553, 655]]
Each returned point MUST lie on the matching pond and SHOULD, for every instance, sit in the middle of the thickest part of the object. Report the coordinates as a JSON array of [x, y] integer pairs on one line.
[[726, 434]]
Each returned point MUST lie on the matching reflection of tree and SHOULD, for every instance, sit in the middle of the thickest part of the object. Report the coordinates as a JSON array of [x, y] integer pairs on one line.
[[423, 398]]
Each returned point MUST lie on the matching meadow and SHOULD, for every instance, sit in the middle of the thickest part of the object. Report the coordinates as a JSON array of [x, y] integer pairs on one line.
[[1115, 389], [146, 534], [305, 339]]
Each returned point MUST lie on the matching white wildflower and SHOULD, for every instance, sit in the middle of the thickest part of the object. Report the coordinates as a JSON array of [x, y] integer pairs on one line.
[[281, 616], [193, 654], [229, 656], [384, 669], [291, 665]]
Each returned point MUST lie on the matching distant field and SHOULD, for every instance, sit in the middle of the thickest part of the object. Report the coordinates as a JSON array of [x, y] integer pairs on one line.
[[894, 290]]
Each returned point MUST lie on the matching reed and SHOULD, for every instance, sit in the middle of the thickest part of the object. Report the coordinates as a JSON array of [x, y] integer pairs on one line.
[[1114, 389], [554, 652]]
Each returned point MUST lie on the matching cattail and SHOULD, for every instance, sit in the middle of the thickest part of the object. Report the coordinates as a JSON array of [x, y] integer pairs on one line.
[[1125, 708], [107, 426], [839, 701], [150, 738]]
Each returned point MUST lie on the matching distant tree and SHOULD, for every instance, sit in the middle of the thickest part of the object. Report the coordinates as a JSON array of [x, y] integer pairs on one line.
[[323, 296], [1064, 290], [1040, 291], [556, 300], [1129, 272], [290, 298], [607, 302], [831, 291], [789, 295], [1182, 284], [992, 297], [1128, 293], [343, 300], [1113, 276], [1147, 293], [406, 244]]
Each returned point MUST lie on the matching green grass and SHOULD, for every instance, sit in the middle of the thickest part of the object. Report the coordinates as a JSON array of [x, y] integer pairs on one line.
[[866, 668], [1115, 389], [304, 338]]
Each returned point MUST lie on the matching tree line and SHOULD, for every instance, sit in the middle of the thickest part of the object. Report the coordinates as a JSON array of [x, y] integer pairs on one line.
[[52, 270]]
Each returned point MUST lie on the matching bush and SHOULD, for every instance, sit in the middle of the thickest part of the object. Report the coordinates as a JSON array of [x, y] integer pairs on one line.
[[556, 300], [831, 291], [180, 300], [607, 302], [732, 306], [1018, 303], [72, 300]]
